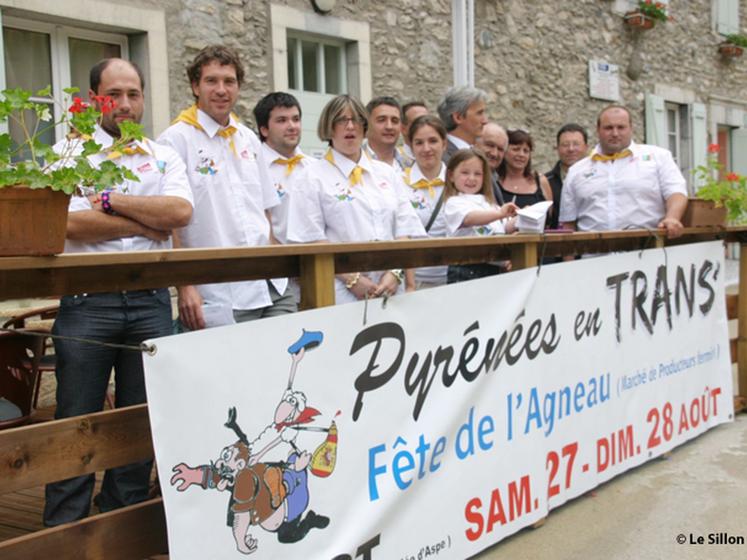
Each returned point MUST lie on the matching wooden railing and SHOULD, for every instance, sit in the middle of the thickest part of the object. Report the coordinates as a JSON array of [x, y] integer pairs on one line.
[[34, 455]]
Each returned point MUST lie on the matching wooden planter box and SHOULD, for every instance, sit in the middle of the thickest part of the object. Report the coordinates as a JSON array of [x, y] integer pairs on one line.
[[702, 213], [639, 21], [32, 221], [727, 50]]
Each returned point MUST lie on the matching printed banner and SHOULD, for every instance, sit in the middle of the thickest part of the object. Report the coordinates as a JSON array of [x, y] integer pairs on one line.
[[437, 423]]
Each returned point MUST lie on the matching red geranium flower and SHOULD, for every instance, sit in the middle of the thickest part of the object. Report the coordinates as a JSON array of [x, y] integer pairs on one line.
[[733, 176], [106, 103], [713, 148], [78, 106]]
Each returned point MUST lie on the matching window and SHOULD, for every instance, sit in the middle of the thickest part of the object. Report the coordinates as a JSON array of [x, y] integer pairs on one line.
[[316, 65], [679, 127], [726, 16], [317, 57], [678, 134], [47, 45], [38, 55]]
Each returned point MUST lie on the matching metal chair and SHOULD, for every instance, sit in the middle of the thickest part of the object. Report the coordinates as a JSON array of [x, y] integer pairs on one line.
[[19, 371]]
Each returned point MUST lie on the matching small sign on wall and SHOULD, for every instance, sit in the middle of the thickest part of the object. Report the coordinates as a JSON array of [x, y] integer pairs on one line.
[[604, 80]]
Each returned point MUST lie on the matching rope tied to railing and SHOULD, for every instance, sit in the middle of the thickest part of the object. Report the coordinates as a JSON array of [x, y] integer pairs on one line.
[[149, 349]]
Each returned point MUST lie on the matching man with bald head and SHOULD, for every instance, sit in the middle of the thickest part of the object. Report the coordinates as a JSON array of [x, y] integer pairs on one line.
[[493, 142], [132, 216], [623, 185]]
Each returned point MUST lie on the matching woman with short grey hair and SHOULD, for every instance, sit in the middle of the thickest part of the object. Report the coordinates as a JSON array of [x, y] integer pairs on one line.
[[347, 197]]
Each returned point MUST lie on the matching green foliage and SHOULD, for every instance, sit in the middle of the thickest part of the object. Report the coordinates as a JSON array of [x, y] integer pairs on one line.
[[737, 39], [38, 165]]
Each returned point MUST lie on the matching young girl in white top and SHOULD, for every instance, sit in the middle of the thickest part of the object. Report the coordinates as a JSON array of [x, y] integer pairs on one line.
[[470, 209], [424, 182]]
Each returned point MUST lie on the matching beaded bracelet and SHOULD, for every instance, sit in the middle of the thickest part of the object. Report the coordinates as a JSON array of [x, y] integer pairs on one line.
[[106, 205]]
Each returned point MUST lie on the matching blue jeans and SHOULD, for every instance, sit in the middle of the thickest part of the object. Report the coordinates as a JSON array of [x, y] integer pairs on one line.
[[83, 372]]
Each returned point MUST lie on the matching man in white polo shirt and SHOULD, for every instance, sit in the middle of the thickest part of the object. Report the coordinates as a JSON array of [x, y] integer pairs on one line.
[[132, 216], [278, 118], [623, 185], [232, 191]]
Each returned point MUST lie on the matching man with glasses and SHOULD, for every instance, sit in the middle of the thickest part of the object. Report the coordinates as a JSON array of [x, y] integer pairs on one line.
[[571, 145]]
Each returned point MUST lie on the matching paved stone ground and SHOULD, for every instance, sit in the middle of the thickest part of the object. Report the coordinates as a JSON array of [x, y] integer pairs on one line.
[[700, 489]]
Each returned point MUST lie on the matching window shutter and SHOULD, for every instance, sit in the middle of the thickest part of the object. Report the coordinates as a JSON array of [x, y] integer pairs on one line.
[[727, 16], [700, 137], [739, 150], [656, 121]]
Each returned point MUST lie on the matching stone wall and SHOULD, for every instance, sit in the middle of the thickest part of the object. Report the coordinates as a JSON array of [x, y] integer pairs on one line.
[[530, 55]]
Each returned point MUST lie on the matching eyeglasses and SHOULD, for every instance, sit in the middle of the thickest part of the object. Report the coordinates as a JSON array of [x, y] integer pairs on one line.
[[347, 120], [567, 145]]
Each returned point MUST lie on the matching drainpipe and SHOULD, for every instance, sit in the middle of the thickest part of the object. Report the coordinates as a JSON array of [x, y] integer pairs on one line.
[[463, 45]]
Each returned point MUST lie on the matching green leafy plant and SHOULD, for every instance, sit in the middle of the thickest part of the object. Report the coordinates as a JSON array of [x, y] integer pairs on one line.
[[37, 165], [737, 39], [731, 191], [654, 10]]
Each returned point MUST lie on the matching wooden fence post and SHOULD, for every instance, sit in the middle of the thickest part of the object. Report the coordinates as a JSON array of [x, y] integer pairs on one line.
[[742, 322], [317, 281], [524, 255]]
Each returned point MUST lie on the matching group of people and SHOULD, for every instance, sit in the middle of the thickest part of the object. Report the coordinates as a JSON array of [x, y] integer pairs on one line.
[[210, 181]]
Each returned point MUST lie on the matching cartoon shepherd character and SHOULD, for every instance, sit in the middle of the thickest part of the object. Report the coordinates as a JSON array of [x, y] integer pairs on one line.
[[273, 495]]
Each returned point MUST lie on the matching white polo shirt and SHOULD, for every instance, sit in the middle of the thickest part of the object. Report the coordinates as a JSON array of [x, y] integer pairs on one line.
[[231, 191], [161, 172], [424, 201], [630, 192], [456, 209], [324, 206], [281, 182]]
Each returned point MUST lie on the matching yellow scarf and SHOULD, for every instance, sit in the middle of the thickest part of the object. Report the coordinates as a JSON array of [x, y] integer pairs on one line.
[[290, 164], [189, 116], [356, 175], [424, 183], [612, 157], [127, 151]]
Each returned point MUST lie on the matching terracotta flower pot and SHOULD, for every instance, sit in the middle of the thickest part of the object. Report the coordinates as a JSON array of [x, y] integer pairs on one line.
[[32, 221], [701, 213], [727, 50], [639, 21]]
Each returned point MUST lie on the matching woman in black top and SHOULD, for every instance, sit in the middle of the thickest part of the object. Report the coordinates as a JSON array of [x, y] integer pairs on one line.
[[518, 182]]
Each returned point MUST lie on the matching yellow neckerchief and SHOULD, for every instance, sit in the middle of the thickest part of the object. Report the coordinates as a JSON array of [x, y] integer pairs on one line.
[[356, 175], [612, 157], [189, 116], [290, 164], [424, 183], [130, 150]]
